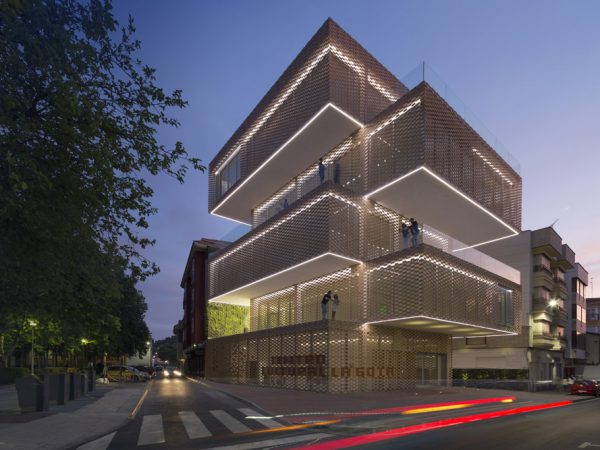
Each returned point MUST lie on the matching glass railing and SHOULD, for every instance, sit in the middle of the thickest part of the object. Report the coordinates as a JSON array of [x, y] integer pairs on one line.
[[235, 233], [460, 250], [424, 73]]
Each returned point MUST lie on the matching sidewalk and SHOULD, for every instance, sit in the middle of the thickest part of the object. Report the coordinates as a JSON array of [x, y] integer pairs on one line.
[[89, 417], [303, 403]]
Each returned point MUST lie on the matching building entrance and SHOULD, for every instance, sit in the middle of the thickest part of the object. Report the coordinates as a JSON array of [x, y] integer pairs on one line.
[[431, 369]]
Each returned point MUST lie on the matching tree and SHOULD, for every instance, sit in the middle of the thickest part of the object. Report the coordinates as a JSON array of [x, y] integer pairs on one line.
[[166, 349], [78, 120]]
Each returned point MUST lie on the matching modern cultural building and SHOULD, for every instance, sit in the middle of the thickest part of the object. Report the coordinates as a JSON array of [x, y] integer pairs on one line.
[[389, 153]]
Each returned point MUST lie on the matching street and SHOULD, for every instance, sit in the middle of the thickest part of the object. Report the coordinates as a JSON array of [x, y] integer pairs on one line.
[[182, 414]]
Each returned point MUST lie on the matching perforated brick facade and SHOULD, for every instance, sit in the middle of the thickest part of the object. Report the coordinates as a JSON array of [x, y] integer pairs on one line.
[[326, 357], [399, 306]]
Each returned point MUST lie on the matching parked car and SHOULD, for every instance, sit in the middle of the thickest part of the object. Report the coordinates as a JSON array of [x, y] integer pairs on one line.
[[588, 387], [173, 372], [124, 373], [145, 369], [142, 375]]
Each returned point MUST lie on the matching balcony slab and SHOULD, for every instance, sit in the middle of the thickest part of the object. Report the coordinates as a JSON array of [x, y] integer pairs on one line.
[[307, 270], [435, 325], [320, 134], [426, 196]]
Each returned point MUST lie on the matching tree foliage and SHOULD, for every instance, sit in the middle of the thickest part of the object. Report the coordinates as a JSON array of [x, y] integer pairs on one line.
[[79, 113]]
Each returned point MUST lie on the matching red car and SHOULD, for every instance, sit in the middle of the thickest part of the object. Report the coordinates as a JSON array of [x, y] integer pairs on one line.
[[589, 387]]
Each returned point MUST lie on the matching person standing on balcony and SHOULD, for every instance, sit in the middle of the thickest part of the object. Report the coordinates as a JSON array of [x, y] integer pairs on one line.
[[324, 302], [321, 171], [405, 234], [334, 304], [414, 231], [337, 171]]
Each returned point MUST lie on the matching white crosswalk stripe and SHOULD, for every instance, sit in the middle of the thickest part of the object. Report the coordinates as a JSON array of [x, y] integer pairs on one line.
[[233, 425], [193, 425], [269, 423], [151, 431]]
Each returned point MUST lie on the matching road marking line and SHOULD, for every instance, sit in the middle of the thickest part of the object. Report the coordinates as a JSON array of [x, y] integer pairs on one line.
[[151, 431], [99, 444], [141, 400], [232, 424], [274, 442], [269, 423], [193, 425]]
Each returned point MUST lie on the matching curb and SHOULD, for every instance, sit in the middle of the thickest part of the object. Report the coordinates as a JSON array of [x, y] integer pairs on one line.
[[125, 421], [241, 399]]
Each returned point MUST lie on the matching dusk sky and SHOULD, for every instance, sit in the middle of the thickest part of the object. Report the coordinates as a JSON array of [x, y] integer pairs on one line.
[[529, 70]]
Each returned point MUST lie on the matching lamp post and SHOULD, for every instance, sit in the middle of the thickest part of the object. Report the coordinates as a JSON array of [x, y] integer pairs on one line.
[[32, 324]]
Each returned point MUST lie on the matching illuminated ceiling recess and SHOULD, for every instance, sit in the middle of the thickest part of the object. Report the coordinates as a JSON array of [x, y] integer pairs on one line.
[[307, 270], [430, 199], [435, 325], [321, 133]]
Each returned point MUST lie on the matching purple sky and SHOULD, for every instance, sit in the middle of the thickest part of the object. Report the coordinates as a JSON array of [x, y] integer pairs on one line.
[[528, 70]]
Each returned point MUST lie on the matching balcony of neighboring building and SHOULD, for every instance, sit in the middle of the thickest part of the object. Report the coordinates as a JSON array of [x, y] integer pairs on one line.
[[427, 289], [331, 88]]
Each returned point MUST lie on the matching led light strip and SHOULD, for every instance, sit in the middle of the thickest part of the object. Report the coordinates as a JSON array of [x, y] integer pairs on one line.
[[448, 185], [284, 220], [435, 262], [249, 177], [294, 85], [394, 117], [505, 333], [494, 168], [346, 273], [355, 261]]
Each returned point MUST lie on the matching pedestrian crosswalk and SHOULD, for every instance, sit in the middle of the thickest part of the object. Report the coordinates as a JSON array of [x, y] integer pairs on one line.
[[197, 425]]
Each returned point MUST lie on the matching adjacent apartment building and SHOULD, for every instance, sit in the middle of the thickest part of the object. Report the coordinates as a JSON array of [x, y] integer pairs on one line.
[[551, 343], [325, 169]]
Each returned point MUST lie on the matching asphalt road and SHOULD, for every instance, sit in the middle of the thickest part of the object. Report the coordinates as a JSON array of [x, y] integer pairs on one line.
[[181, 414], [570, 427]]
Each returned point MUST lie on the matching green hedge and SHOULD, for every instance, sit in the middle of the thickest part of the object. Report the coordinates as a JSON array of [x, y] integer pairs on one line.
[[10, 374]]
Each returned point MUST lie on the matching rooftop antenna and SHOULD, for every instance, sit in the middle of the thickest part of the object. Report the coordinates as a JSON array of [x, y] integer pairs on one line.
[[552, 224]]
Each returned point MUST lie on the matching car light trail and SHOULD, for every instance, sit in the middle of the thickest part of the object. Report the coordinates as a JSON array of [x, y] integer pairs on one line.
[[413, 429]]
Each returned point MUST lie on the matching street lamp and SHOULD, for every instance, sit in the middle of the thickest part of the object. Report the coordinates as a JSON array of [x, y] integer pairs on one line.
[[32, 324], [553, 303]]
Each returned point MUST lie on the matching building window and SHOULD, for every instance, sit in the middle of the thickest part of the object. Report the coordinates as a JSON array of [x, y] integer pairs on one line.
[[541, 293], [228, 175], [593, 313], [561, 332], [542, 327], [541, 262], [578, 287]]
